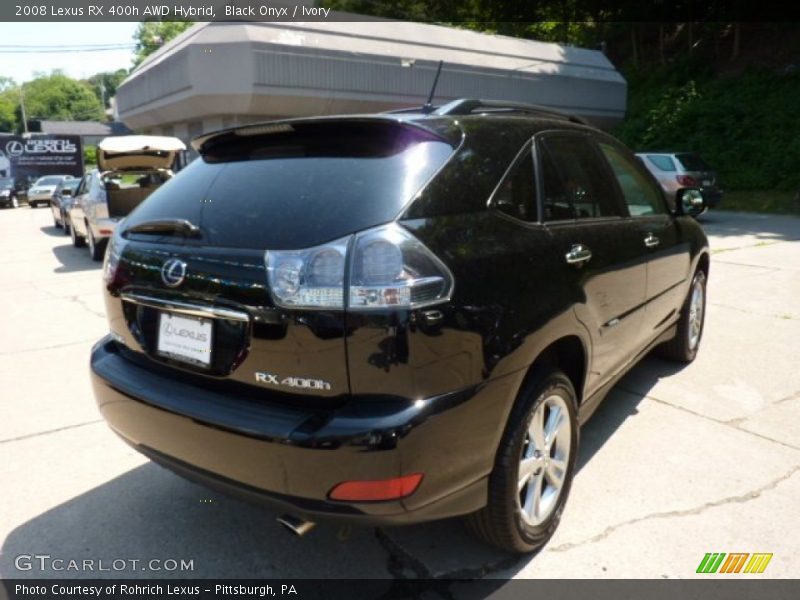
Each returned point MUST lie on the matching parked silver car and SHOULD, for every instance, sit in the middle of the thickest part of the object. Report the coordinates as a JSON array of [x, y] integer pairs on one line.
[[41, 192], [130, 168], [676, 170]]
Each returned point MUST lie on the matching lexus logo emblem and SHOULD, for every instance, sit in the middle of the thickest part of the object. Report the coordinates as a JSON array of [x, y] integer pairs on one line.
[[173, 272], [14, 148]]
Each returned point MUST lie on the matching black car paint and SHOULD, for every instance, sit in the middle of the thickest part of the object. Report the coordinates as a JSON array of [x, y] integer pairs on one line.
[[425, 390], [18, 188]]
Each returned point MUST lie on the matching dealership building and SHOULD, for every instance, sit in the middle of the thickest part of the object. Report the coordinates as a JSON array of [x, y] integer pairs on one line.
[[223, 74]]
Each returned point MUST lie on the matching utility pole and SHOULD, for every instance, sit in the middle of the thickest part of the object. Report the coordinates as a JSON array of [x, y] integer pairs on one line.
[[103, 95], [22, 107]]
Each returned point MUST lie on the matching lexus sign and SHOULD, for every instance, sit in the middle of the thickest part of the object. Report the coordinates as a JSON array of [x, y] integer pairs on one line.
[[40, 154]]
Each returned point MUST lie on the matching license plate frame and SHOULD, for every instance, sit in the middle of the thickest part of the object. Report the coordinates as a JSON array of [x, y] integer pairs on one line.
[[186, 339]]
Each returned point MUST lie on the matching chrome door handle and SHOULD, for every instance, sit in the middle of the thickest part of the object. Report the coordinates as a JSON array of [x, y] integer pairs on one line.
[[578, 255], [651, 241]]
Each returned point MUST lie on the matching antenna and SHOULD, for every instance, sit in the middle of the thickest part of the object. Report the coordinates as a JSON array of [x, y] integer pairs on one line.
[[428, 107]]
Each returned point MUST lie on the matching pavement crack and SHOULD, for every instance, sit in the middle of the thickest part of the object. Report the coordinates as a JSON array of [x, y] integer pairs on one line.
[[741, 499], [792, 396], [404, 565], [53, 347], [401, 562], [784, 315], [732, 423], [83, 304], [49, 431]]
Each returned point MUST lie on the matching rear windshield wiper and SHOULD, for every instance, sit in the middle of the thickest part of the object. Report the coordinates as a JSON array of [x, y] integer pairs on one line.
[[182, 226]]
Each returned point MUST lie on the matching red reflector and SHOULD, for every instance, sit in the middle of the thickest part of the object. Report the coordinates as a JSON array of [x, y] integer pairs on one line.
[[105, 232], [383, 489], [687, 180]]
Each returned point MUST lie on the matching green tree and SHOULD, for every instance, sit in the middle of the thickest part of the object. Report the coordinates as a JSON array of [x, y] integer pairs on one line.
[[151, 35], [105, 84], [90, 156], [9, 99], [59, 97]]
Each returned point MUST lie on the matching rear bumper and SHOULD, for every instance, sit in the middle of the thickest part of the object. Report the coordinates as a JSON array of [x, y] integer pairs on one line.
[[44, 197], [103, 228], [290, 457]]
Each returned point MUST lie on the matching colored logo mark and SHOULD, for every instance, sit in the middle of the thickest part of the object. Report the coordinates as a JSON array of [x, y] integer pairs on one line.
[[735, 562]]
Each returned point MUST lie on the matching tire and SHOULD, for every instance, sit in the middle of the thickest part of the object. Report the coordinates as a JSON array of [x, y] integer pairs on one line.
[[14, 202], [96, 249], [684, 346], [77, 240], [66, 227], [56, 223], [504, 522], [32, 204]]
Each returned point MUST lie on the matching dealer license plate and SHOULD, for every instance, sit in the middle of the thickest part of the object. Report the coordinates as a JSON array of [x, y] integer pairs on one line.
[[185, 338]]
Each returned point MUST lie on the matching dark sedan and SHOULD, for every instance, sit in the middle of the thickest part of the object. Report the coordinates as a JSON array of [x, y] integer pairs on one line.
[[10, 192]]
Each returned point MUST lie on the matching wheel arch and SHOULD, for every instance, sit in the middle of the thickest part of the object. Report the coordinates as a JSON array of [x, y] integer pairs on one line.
[[568, 354], [703, 263]]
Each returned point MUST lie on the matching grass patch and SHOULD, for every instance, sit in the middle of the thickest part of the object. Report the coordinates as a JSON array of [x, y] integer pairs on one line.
[[766, 201]]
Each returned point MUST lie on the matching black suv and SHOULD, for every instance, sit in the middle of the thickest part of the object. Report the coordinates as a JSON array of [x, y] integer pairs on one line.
[[394, 318]]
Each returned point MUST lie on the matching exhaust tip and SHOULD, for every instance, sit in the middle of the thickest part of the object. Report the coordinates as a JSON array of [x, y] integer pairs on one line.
[[296, 525]]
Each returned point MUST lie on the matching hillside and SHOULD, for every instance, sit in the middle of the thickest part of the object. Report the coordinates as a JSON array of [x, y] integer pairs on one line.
[[742, 115]]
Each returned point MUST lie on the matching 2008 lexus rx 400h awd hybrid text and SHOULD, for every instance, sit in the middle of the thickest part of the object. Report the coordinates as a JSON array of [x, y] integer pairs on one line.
[[394, 318]]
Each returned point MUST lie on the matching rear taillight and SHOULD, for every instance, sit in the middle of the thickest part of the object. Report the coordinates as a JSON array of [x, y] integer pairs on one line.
[[311, 278], [687, 180], [388, 268], [111, 259]]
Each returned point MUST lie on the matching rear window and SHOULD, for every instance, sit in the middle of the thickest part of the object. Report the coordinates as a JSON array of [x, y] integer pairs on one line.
[[299, 188], [692, 162], [662, 162], [49, 181], [69, 184]]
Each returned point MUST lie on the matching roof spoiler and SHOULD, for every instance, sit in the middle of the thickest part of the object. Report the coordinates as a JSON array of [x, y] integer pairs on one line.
[[203, 143]]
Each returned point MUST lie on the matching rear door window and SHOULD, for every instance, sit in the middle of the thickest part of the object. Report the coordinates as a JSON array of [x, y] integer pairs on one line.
[[516, 195], [575, 182], [299, 188]]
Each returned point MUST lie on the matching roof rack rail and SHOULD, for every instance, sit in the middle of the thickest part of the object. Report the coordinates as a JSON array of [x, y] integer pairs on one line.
[[467, 106]]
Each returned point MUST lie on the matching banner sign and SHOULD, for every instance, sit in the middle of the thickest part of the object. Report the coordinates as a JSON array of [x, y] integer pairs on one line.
[[319, 10], [35, 155]]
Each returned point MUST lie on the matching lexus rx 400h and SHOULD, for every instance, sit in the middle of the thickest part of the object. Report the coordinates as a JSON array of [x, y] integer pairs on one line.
[[394, 318]]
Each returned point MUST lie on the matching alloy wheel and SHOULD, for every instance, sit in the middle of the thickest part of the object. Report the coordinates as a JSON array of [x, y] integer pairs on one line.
[[545, 457], [696, 313]]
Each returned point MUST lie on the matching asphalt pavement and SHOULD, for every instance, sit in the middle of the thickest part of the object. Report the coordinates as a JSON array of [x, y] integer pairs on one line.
[[677, 462]]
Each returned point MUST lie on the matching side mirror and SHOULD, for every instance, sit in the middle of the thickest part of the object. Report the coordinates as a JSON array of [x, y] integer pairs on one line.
[[66, 192], [690, 201]]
